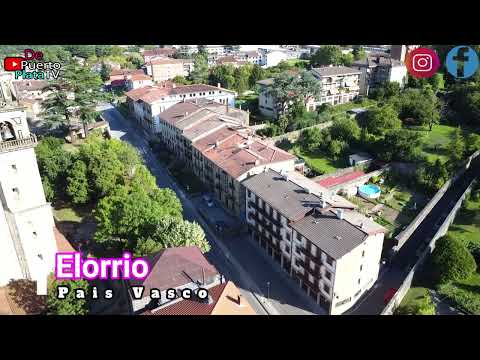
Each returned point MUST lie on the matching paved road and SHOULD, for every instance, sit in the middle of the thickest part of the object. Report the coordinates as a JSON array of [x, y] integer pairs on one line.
[[372, 303], [122, 129], [251, 279]]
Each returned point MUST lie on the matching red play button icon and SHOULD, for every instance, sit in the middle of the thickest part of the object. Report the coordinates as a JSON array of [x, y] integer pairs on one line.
[[13, 63]]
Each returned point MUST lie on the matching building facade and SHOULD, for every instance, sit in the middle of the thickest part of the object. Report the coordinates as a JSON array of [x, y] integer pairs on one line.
[[27, 242], [148, 102], [378, 69], [162, 69], [215, 143], [330, 250]]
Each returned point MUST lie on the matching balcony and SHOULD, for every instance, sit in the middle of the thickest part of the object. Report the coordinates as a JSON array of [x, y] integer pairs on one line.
[[14, 145], [264, 213], [268, 227], [316, 260]]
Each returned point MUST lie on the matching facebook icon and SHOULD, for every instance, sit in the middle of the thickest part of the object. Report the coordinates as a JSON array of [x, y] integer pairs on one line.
[[462, 62]]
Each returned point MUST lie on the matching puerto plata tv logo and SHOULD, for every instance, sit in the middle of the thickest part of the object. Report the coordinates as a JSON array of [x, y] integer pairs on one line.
[[32, 66]]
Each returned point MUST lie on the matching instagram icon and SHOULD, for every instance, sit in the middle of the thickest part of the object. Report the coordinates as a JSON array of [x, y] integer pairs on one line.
[[422, 62]]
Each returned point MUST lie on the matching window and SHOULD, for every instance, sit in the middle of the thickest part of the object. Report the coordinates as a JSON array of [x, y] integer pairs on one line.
[[358, 281], [249, 193], [326, 288], [297, 250], [14, 167], [287, 249], [328, 275], [361, 267], [288, 236], [34, 234], [363, 253], [329, 260], [299, 237]]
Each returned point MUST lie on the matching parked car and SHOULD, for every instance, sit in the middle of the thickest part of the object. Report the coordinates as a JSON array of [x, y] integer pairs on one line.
[[389, 295]]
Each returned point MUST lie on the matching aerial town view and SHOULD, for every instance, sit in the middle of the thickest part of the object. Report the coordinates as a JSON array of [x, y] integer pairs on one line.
[[189, 180]]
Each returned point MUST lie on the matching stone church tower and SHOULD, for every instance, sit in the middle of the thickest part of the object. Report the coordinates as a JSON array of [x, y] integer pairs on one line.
[[27, 241]]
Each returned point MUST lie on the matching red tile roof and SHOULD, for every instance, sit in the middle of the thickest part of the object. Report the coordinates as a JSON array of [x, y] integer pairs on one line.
[[162, 61], [168, 268], [337, 180], [137, 77], [124, 72], [192, 306], [236, 154]]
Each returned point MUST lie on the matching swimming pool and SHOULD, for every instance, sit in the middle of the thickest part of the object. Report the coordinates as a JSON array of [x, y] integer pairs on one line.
[[369, 191]]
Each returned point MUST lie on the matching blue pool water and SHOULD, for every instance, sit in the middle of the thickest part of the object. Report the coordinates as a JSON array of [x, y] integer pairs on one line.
[[369, 189]]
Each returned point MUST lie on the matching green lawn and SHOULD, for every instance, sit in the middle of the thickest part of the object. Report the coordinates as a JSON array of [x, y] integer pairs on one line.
[[414, 295], [436, 141], [67, 214], [466, 226], [464, 294], [320, 163]]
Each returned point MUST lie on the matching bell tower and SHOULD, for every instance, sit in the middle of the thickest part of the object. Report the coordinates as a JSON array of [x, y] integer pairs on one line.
[[27, 241]]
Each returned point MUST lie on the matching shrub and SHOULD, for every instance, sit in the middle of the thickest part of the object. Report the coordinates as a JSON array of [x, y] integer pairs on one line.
[[423, 306], [452, 260]]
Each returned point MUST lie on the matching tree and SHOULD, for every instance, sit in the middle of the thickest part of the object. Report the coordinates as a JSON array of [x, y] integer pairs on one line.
[[242, 75], [379, 120], [310, 139], [421, 105], [358, 52], [223, 74], [126, 216], [173, 232], [400, 145], [336, 148], [456, 148], [452, 261], [283, 122], [437, 81], [347, 59], [103, 50], [345, 129], [472, 143], [199, 75], [53, 162], [77, 181], [105, 71], [70, 305], [181, 80], [256, 74], [432, 175], [326, 55]]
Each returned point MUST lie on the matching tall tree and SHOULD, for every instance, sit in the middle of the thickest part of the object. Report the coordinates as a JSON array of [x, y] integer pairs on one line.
[[70, 305], [379, 120], [456, 148], [77, 181], [199, 75], [327, 55]]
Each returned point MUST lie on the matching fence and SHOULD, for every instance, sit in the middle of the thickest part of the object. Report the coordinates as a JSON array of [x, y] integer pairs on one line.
[[442, 230]]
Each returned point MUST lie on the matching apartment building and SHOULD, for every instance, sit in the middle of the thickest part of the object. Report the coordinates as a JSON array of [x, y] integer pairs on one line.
[[330, 250], [338, 84], [269, 58], [379, 68], [399, 52], [137, 81], [230, 60], [149, 55], [214, 141], [162, 69], [148, 102], [252, 57]]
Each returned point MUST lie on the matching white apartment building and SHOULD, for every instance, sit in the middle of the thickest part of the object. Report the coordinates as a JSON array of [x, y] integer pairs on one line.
[[338, 84], [147, 103], [271, 58], [378, 69], [137, 81], [27, 241], [330, 250]]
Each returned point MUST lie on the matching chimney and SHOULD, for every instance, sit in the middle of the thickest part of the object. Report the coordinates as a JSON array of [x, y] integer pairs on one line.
[[257, 162], [324, 204], [174, 85], [340, 214], [217, 144], [219, 85]]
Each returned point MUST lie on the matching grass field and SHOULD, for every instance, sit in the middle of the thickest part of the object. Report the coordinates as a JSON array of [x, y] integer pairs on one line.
[[67, 214], [319, 162], [464, 294], [414, 295], [466, 226]]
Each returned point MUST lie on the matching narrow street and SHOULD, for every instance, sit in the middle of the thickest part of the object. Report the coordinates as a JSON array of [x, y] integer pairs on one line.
[[283, 298], [236, 258]]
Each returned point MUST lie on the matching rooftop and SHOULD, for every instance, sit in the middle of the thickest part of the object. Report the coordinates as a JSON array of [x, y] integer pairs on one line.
[[238, 153], [174, 267], [224, 302], [334, 71], [332, 181]]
